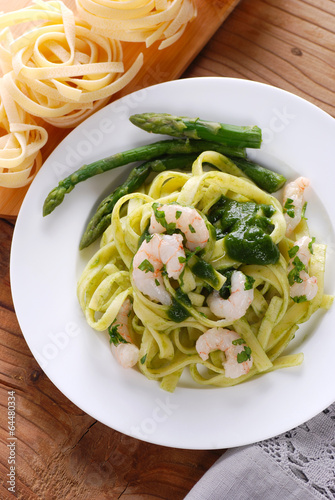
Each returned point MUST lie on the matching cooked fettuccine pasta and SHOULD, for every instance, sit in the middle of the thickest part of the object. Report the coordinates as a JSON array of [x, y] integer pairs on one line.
[[197, 270], [21, 140]]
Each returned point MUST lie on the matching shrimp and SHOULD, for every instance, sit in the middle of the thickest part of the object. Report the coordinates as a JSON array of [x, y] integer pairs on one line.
[[304, 285], [231, 344], [188, 220], [148, 263], [308, 288], [238, 302], [127, 353], [293, 201]]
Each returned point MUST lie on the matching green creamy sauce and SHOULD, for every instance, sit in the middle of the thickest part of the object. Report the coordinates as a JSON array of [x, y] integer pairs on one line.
[[225, 289], [205, 271], [177, 312], [246, 228]]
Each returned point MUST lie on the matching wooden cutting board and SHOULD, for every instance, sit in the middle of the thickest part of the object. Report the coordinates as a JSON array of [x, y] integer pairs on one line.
[[159, 66]]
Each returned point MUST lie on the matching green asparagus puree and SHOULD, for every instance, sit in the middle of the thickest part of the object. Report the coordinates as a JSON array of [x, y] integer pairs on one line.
[[246, 228], [206, 272], [195, 128], [177, 312], [225, 289]]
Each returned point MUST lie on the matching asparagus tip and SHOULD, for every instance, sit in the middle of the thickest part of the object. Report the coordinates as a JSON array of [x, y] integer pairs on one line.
[[54, 198]]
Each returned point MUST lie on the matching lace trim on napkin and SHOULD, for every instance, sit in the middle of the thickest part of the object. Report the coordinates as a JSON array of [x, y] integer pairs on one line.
[[307, 453]]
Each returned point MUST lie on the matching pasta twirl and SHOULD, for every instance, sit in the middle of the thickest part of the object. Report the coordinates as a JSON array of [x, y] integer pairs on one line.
[[61, 70], [168, 332], [139, 20], [20, 142]]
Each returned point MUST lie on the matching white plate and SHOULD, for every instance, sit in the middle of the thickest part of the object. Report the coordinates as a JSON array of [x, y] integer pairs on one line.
[[46, 263]]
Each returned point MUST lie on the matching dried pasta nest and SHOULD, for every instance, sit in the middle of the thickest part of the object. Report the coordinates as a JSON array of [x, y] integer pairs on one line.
[[138, 20], [20, 142], [60, 70]]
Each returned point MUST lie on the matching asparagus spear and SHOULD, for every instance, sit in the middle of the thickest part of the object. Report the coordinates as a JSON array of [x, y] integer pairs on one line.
[[142, 153], [264, 178], [194, 128], [102, 217]]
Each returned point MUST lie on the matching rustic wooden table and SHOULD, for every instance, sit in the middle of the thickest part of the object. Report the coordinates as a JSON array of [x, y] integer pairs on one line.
[[62, 453]]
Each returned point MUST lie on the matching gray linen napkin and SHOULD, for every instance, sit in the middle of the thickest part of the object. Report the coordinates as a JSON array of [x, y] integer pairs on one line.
[[297, 465]]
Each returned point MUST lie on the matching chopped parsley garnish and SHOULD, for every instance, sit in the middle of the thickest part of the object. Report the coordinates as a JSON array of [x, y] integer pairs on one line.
[[148, 237], [238, 342], [146, 266], [170, 227], [249, 282], [114, 336], [189, 254], [293, 251], [304, 211], [310, 245], [142, 360], [294, 274], [160, 217], [289, 208], [159, 214], [183, 260], [156, 282], [191, 228], [244, 355], [145, 236], [195, 251], [299, 298], [178, 214]]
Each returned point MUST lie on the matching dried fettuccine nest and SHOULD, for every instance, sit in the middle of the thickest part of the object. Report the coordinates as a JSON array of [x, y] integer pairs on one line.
[[61, 70], [20, 143], [139, 20]]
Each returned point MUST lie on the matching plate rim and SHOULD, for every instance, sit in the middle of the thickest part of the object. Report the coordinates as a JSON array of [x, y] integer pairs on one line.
[[93, 118]]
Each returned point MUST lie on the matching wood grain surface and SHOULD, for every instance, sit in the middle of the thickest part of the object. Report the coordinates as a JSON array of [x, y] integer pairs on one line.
[[158, 66], [61, 453]]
